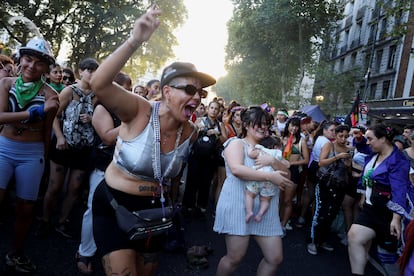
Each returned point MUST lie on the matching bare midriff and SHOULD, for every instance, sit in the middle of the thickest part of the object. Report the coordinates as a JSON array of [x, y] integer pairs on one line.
[[119, 180]]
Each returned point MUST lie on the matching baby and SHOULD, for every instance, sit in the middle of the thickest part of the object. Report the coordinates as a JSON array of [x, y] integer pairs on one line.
[[266, 190]]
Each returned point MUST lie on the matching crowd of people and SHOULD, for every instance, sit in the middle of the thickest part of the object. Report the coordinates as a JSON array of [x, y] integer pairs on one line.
[[150, 147]]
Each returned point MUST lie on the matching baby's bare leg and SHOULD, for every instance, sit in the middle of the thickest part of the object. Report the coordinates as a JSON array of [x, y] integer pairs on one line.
[[264, 206], [249, 201]]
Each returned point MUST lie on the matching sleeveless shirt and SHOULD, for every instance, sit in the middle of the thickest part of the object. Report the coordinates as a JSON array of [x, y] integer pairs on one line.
[[135, 156]]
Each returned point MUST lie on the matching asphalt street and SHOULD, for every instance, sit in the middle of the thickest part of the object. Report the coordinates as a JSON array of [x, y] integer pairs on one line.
[[54, 255]]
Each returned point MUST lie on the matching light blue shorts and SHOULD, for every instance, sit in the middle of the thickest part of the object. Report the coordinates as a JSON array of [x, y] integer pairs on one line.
[[26, 161]]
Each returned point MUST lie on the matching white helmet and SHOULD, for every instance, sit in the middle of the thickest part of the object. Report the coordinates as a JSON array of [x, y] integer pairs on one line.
[[40, 48]]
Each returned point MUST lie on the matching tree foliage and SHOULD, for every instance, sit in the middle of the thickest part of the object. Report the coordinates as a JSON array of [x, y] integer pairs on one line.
[[271, 44], [95, 28]]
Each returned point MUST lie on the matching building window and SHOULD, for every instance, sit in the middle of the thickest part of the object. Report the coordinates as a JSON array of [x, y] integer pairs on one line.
[[367, 60], [391, 57], [341, 65], [353, 59], [386, 89], [378, 61], [373, 91]]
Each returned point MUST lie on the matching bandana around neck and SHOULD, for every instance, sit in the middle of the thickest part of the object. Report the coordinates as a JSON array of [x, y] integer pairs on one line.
[[58, 87], [25, 91]]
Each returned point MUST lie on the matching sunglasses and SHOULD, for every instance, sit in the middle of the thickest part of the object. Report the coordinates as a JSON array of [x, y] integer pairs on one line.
[[66, 78], [191, 90]]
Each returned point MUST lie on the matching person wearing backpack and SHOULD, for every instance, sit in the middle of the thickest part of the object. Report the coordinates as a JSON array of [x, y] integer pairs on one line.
[[72, 144]]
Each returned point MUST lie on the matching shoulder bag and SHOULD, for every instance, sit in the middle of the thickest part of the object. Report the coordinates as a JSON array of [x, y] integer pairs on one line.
[[143, 224], [334, 174]]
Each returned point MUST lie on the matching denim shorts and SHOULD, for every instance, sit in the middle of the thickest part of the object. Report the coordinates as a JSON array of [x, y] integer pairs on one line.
[[26, 161]]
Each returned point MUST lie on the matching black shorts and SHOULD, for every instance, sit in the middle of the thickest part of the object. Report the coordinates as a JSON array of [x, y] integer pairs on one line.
[[108, 236], [294, 174], [351, 188], [379, 219], [312, 170], [72, 158]]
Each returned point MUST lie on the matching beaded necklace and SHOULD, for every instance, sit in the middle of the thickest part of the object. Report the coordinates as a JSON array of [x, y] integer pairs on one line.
[[156, 153]]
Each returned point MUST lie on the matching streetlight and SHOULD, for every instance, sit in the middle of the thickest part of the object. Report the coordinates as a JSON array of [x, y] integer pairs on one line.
[[319, 99]]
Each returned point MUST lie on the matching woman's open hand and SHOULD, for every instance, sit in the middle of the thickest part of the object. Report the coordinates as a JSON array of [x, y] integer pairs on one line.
[[281, 179]]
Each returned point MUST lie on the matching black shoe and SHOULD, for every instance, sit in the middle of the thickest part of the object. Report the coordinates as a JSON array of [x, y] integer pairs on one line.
[[63, 229], [43, 229], [20, 263]]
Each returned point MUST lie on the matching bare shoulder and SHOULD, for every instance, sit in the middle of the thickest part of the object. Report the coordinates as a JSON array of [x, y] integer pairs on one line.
[[235, 143], [6, 83]]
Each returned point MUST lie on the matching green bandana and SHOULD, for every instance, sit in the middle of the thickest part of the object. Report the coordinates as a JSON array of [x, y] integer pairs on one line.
[[58, 87], [367, 180], [26, 91]]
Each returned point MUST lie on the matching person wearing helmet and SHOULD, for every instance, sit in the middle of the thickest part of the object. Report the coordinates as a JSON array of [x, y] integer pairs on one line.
[[27, 108]]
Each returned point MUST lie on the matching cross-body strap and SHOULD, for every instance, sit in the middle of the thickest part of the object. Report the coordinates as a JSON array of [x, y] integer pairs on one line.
[[111, 199]]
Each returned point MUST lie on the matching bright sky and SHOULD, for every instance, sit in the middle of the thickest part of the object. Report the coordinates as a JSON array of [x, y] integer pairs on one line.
[[203, 36]]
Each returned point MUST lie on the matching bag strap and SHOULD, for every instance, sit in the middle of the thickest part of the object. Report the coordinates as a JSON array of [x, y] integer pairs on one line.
[[111, 198]]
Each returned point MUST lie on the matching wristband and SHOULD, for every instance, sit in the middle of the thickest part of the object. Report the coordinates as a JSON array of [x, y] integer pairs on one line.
[[36, 112], [132, 41]]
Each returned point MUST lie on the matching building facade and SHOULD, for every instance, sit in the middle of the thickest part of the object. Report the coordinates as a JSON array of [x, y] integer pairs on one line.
[[370, 37]]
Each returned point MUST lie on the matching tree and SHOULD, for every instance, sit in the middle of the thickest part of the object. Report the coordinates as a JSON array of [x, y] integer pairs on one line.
[[271, 44], [96, 28]]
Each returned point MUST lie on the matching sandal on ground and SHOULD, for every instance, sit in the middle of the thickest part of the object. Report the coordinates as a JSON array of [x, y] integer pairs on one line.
[[197, 262], [84, 264], [199, 251]]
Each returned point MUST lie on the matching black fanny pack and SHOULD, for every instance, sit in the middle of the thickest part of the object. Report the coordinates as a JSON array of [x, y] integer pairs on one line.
[[142, 224]]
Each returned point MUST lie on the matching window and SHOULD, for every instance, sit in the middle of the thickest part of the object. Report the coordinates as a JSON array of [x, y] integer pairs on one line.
[[341, 65], [353, 59], [378, 61], [391, 57], [373, 91], [385, 89]]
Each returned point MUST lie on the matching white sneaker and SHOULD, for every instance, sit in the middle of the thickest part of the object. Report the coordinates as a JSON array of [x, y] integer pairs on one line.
[[288, 226], [312, 249]]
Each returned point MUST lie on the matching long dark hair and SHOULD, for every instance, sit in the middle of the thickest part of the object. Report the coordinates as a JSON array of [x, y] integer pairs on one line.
[[253, 116], [292, 121]]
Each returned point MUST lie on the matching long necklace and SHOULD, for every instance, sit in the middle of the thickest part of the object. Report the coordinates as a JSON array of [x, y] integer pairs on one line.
[[156, 153]]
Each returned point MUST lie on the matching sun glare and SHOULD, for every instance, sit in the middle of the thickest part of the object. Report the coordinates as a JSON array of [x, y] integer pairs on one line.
[[203, 37]]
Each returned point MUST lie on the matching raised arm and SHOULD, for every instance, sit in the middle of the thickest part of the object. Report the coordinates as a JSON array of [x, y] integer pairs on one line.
[[123, 103]]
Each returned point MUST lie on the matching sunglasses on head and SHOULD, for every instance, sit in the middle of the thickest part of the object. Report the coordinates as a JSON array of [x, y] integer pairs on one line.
[[191, 90]]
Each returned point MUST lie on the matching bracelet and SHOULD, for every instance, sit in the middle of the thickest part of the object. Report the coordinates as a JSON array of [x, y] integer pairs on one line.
[[132, 41]]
